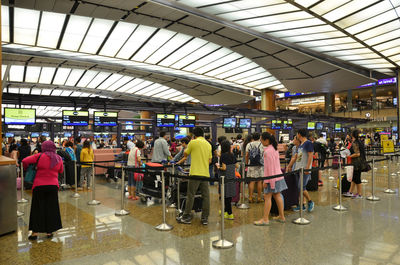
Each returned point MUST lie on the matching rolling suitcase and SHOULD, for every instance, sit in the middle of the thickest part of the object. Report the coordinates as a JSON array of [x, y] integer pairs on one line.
[[312, 185], [335, 163], [345, 184]]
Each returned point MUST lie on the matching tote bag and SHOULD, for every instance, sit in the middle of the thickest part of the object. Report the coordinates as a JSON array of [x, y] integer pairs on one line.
[[31, 172]]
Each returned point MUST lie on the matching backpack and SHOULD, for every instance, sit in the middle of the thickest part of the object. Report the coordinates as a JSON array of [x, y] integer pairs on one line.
[[289, 151], [255, 156]]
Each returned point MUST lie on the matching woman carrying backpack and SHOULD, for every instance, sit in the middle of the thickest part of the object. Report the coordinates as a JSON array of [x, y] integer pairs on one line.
[[254, 158]]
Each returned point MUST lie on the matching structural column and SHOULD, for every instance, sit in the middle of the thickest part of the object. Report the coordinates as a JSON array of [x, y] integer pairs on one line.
[[398, 105], [329, 103], [374, 107], [268, 100], [349, 100], [144, 115]]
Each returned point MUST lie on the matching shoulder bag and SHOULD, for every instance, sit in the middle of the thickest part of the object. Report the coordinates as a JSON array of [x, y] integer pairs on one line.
[[31, 171]]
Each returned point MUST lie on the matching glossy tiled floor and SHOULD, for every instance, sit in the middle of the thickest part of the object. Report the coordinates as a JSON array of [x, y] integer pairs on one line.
[[366, 234]]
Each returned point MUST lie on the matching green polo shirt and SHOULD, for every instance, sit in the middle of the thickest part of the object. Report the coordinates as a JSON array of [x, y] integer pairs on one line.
[[200, 151]]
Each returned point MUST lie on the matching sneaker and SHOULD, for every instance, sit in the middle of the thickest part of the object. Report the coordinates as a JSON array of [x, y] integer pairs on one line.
[[204, 221], [185, 220], [348, 194], [357, 196], [229, 217], [297, 208], [310, 206], [320, 183]]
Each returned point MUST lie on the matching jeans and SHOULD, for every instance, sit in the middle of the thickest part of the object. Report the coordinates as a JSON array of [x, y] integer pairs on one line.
[[86, 174], [193, 186]]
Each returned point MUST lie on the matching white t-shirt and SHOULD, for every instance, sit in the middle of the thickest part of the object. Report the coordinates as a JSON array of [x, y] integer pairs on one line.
[[131, 157]]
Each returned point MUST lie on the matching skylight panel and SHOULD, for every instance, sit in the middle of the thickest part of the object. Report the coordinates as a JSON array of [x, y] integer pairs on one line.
[[61, 76], [98, 79], [228, 67], [371, 61], [50, 29], [174, 94], [66, 93], [87, 78], [25, 25], [32, 74], [327, 6], [316, 36], [289, 25], [141, 34], [261, 81], [5, 25], [17, 73], [56, 92], [36, 91], [85, 95], [74, 77], [391, 51], [120, 83], [383, 37], [237, 70], [354, 57], [246, 74], [96, 35], [248, 79], [153, 44], [117, 38], [347, 9], [46, 92], [76, 94], [174, 43], [24, 91], [75, 32], [148, 89], [217, 63], [372, 22], [208, 59], [261, 11], [13, 90], [306, 3], [130, 85], [270, 84], [335, 41], [183, 52], [286, 17], [196, 3], [388, 45], [139, 86], [385, 28], [208, 48], [156, 91], [109, 81], [303, 31], [3, 71]]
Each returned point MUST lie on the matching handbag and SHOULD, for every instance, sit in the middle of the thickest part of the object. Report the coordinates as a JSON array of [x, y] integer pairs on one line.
[[30, 174], [137, 176]]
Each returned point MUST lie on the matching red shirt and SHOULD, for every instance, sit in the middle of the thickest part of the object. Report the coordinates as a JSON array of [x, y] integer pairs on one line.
[[44, 175]]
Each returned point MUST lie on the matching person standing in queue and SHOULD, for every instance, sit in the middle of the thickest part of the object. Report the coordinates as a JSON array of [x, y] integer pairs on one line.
[[200, 151], [161, 150], [254, 158], [304, 159], [45, 211], [272, 187], [87, 156]]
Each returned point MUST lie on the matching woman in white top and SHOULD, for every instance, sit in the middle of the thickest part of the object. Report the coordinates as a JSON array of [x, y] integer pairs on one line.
[[134, 160]]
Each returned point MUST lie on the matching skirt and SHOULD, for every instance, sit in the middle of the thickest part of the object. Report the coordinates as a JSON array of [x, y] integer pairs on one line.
[[45, 211], [280, 186]]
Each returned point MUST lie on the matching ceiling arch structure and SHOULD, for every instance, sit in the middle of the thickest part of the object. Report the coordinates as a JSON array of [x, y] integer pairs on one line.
[[137, 47]]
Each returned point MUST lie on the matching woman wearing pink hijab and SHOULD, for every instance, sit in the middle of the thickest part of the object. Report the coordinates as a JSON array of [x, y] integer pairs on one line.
[[45, 211]]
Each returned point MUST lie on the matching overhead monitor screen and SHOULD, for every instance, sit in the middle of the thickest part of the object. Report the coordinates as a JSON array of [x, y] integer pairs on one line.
[[45, 134], [75, 118], [105, 118], [276, 124], [245, 123], [311, 125], [229, 123], [19, 116], [67, 134], [9, 135], [34, 134], [148, 134], [319, 125], [287, 124], [166, 120], [188, 121], [338, 127]]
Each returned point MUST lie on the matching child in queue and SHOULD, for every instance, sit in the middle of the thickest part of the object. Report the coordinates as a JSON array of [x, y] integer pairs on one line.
[[272, 187]]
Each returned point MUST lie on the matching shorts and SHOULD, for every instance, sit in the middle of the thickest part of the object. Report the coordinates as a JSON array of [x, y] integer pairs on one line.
[[356, 177], [306, 179], [131, 179], [255, 172], [280, 186]]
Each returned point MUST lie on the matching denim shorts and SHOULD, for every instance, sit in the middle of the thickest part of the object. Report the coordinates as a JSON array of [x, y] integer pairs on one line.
[[306, 179], [131, 179]]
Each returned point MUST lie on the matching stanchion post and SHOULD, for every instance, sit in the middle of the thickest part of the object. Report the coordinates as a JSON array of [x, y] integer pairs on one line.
[[93, 201], [172, 179], [122, 211], [22, 199], [301, 220], [243, 205], [19, 214], [389, 189], [76, 194], [164, 226], [373, 197], [222, 243], [340, 207]]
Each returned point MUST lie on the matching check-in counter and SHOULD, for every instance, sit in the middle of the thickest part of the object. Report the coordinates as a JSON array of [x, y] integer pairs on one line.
[[8, 195]]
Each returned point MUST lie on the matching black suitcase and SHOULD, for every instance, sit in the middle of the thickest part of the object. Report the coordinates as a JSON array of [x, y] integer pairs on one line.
[[312, 184], [152, 184], [345, 184]]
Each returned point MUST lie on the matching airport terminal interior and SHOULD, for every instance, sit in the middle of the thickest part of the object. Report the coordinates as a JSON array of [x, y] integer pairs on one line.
[[200, 132]]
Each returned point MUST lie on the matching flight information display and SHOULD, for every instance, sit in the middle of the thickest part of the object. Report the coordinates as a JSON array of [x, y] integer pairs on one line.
[[287, 124], [229, 123], [319, 126], [19, 116], [166, 120], [276, 124], [245, 123], [188, 121], [105, 118], [311, 125], [338, 127], [75, 118]]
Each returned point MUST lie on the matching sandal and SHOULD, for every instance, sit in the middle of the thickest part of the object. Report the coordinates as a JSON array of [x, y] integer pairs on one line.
[[135, 198], [32, 237], [251, 201], [259, 200], [130, 197], [279, 220], [50, 235], [261, 223]]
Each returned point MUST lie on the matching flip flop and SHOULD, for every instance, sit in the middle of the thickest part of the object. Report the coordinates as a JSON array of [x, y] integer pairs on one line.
[[277, 219], [261, 223]]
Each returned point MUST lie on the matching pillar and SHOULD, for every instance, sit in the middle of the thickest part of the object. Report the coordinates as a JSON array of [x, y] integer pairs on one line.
[[119, 130], [144, 115], [329, 103], [214, 133], [398, 105], [268, 100], [52, 131], [374, 106], [349, 100]]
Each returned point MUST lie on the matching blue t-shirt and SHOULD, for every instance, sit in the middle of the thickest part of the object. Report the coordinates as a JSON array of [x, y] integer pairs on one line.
[[302, 154]]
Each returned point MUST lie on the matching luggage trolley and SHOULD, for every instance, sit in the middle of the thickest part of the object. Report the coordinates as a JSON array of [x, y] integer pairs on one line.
[[152, 184]]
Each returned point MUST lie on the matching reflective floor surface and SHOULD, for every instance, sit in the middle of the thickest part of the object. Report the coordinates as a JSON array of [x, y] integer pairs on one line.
[[365, 234]]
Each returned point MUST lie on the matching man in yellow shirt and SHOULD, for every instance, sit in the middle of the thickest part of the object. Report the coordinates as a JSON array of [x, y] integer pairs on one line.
[[200, 151]]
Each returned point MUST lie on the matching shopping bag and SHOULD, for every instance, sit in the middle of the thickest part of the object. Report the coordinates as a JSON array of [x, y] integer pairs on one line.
[[349, 173]]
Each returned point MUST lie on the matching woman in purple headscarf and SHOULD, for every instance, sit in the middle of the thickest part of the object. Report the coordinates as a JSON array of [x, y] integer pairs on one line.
[[45, 212]]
